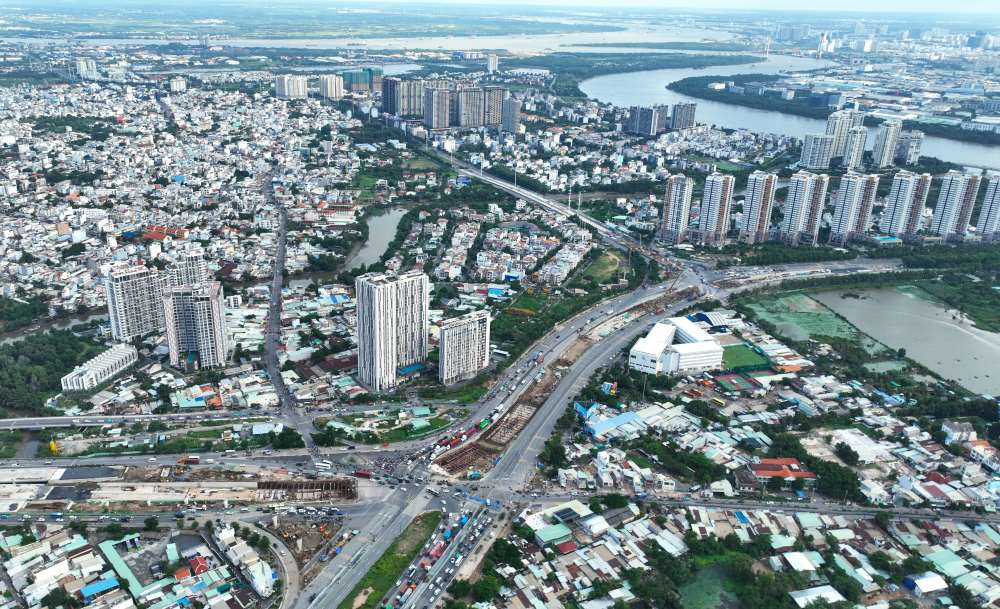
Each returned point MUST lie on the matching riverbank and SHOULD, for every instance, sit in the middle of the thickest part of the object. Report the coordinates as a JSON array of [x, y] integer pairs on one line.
[[570, 69], [697, 86]]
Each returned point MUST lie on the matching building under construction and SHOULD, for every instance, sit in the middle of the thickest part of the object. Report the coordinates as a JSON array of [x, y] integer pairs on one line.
[[345, 489]]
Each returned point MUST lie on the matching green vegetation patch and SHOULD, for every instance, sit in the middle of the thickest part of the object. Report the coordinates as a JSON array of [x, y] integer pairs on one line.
[[383, 574], [800, 317], [17, 313], [604, 268], [979, 300], [710, 588], [31, 368]]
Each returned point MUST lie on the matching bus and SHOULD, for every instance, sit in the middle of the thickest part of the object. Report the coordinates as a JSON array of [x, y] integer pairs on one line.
[[433, 491], [323, 466], [501, 353], [327, 462], [721, 403]]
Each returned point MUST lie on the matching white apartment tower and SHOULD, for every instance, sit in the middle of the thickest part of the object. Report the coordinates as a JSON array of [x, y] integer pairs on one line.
[[492, 63], [713, 223], [189, 268], [291, 87], [436, 108], [839, 125], [493, 98], [908, 147], [885, 143], [989, 215], [464, 347], [134, 302], [904, 206], [195, 319], [803, 207], [331, 86], [471, 107], [817, 150], [676, 210], [954, 205], [510, 120], [757, 204], [854, 151], [852, 207], [392, 325]]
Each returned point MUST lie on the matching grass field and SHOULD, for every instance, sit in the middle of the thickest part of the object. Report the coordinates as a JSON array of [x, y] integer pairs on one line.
[[383, 574], [710, 589], [419, 164], [604, 268], [740, 356]]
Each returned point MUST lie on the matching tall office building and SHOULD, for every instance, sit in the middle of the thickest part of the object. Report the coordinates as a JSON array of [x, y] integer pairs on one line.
[[437, 108], [676, 210], [189, 267], [291, 87], [511, 115], [803, 207], [471, 105], [908, 147], [885, 143], [492, 63], [817, 150], [852, 207], [194, 316], [464, 347], [682, 116], [134, 302], [392, 315], [904, 206], [331, 86], [839, 125], [989, 215], [493, 105], [853, 156], [757, 204], [954, 205], [716, 201]]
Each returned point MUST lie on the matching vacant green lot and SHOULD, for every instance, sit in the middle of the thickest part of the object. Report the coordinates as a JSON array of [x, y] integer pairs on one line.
[[710, 589], [800, 317], [604, 268], [742, 356], [383, 574]]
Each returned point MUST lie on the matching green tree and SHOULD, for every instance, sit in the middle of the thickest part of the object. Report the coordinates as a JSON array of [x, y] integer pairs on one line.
[[151, 523]]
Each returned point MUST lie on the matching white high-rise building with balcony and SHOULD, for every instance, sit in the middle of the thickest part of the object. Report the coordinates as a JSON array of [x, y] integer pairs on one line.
[[817, 150], [331, 86], [954, 205], [904, 206], [676, 210], [852, 207], [839, 125], [757, 204], [291, 87], [716, 201], [134, 302], [195, 319], [989, 215], [803, 207], [464, 347], [886, 138], [97, 370], [854, 151], [393, 313]]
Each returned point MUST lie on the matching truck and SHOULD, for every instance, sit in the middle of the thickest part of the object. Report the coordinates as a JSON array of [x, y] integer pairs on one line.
[[189, 460], [362, 473], [539, 357], [437, 550]]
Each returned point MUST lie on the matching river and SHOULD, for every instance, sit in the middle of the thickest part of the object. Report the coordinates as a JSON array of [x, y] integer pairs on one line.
[[649, 87], [928, 330], [59, 323]]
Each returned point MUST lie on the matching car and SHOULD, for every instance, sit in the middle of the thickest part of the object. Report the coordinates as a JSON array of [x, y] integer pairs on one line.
[[152, 459]]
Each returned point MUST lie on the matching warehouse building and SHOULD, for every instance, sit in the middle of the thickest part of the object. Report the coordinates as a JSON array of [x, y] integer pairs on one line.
[[678, 345]]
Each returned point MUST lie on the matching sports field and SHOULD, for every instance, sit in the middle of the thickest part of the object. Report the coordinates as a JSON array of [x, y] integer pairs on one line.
[[742, 356]]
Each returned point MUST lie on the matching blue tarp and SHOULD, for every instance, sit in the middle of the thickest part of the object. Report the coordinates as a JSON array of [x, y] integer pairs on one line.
[[102, 585]]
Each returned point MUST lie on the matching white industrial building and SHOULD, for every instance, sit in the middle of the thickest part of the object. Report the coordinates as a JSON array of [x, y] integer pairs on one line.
[[95, 371], [677, 345]]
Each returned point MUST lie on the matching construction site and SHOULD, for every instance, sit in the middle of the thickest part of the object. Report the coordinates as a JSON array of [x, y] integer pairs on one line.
[[481, 454]]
